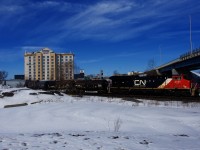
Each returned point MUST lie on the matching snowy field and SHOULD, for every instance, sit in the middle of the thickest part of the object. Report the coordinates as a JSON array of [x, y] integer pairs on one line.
[[95, 123]]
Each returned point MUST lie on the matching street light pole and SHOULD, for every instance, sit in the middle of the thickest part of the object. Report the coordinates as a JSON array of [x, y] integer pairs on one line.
[[190, 34]]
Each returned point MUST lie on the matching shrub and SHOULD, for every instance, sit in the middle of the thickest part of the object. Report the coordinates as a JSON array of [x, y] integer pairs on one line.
[[117, 124]]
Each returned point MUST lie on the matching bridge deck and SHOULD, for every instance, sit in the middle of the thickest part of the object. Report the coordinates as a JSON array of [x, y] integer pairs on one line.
[[186, 62]]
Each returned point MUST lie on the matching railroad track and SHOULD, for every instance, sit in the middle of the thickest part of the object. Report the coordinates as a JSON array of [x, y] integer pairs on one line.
[[129, 97]]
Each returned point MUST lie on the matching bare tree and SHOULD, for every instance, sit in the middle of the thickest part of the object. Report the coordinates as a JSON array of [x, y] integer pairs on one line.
[[151, 64], [117, 124], [3, 75], [115, 72], [20, 84]]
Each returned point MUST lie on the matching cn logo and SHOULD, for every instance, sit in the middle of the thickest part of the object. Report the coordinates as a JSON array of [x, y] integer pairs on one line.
[[139, 82]]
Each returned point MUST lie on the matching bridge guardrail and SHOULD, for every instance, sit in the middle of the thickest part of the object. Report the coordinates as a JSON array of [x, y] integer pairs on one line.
[[189, 55]]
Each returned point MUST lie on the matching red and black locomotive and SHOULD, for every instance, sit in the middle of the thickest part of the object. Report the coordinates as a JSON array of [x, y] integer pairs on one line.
[[155, 85]]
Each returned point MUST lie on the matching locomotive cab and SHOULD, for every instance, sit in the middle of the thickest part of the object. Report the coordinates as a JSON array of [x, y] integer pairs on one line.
[[179, 82]]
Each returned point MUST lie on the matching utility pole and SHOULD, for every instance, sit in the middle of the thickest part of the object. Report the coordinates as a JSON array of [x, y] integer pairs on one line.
[[190, 34], [160, 55]]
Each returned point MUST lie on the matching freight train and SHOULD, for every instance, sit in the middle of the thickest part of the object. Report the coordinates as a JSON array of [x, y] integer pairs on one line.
[[141, 84]]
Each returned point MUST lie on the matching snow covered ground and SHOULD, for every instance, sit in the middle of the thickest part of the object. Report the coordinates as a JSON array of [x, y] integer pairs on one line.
[[89, 123]]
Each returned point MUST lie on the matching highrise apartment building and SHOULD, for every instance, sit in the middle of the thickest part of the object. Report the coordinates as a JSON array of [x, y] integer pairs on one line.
[[47, 65]]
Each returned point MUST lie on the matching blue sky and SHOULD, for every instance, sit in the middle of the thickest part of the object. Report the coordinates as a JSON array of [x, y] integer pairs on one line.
[[120, 35]]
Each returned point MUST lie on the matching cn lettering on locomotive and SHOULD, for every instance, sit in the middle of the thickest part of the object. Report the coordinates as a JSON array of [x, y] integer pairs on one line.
[[140, 83]]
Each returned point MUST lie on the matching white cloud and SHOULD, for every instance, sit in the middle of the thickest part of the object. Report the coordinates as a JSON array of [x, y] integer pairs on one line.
[[113, 21], [121, 19], [31, 48], [10, 9], [105, 20], [48, 4], [108, 7], [101, 15]]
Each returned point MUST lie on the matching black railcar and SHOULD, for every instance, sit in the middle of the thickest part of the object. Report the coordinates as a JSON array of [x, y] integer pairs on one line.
[[91, 86]]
